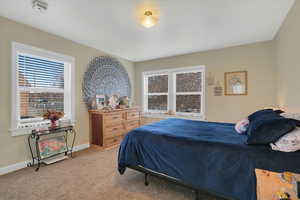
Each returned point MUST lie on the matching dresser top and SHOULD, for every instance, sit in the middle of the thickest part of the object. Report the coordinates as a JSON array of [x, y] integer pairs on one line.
[[114, 110]]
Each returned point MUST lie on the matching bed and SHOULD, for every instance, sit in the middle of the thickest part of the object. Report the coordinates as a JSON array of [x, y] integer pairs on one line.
[[206, 156]]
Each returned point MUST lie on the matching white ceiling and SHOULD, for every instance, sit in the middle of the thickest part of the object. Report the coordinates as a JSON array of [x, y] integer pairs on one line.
[[185, 25]]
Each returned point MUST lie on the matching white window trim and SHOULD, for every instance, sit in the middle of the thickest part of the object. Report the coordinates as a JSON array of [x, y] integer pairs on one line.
[[18, 48], [172, 91]]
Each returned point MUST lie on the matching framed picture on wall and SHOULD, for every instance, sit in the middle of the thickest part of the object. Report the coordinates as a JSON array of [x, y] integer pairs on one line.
[[236, 83]]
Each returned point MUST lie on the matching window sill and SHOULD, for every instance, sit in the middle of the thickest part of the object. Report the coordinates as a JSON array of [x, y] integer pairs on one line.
[[165, 116], [21, 131], [27, 130]]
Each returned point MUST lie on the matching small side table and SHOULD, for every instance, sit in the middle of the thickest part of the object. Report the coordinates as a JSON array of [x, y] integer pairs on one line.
[[39, 135], [269, 183]]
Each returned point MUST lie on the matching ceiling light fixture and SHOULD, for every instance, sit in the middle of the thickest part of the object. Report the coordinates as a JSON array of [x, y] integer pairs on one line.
[[148, 19]]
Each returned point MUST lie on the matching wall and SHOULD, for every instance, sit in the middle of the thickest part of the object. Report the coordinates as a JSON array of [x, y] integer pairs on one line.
[[260, 59], [288, 60], [257, 59], [15, 149]]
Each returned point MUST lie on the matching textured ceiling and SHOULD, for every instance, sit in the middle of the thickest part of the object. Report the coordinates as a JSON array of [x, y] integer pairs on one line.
[[185, 26]]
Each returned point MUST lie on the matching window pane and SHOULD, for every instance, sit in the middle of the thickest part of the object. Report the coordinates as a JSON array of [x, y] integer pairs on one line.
[[44, 74], [158, 102], [188, 103], [188, 82], [36, 104], [158, 84], [40, 73]]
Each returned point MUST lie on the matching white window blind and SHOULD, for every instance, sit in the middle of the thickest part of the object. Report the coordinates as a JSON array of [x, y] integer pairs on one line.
[[40, 86]]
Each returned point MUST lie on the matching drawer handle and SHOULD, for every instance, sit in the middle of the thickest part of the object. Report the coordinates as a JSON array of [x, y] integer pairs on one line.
[[115, 117], [114, 129]]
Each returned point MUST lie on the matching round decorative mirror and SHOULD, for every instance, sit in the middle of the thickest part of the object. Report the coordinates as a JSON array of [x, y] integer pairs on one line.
[[105, 76]]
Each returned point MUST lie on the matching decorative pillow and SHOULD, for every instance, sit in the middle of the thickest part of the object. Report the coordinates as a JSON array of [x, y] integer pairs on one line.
[[289, 142], [278, 111], [291, 115], [241, 126], [261, 113], [268, 129]]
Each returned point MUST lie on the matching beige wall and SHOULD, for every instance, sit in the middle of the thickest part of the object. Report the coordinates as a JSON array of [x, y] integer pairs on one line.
[[15, 149], [288, 61], [257, 59], [266, 82]]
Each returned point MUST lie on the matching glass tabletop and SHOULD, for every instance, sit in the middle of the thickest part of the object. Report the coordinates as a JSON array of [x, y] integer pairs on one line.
[[51, 130]]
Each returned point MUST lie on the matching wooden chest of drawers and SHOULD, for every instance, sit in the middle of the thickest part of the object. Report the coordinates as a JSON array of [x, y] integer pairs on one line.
[[109, 128]]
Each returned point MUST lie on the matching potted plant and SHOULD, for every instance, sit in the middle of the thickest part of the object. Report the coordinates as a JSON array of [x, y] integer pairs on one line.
[[53, 116]]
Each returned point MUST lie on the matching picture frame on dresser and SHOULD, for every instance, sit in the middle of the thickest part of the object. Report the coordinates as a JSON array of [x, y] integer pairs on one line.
[[100, 101]]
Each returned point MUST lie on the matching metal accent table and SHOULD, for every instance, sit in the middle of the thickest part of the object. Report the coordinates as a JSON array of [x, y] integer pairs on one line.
[[49, 133]]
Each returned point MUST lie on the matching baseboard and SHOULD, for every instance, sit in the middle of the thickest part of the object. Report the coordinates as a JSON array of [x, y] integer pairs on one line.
[[81, 147], [21, 165], [14, 167]]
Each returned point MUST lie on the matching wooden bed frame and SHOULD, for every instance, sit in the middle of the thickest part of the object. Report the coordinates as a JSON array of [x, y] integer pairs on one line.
[[197, 191]]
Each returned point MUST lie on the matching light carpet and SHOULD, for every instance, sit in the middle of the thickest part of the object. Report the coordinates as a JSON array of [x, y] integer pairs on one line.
[[91, 175]]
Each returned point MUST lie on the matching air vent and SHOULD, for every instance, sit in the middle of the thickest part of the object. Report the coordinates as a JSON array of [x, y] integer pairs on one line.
[[39, 5]]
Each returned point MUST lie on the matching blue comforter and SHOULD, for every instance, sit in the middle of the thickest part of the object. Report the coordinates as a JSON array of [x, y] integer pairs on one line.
[[207, 155]]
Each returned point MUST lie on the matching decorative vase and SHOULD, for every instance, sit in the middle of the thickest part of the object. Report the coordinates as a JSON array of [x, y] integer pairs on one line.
[[53, 123]]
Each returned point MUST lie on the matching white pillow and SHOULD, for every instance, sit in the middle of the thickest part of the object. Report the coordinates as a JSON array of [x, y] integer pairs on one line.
[[291, 115], [289, 142]]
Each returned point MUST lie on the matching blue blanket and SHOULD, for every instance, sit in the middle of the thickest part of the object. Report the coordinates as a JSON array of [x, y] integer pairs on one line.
[[207, 155]]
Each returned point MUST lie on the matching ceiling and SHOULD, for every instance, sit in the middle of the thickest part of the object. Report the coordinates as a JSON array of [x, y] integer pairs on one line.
[[185, 26]]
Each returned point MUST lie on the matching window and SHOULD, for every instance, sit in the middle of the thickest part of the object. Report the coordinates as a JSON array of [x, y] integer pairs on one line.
[[157, 92], [178, 91], [42, 81], [188, 92]]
